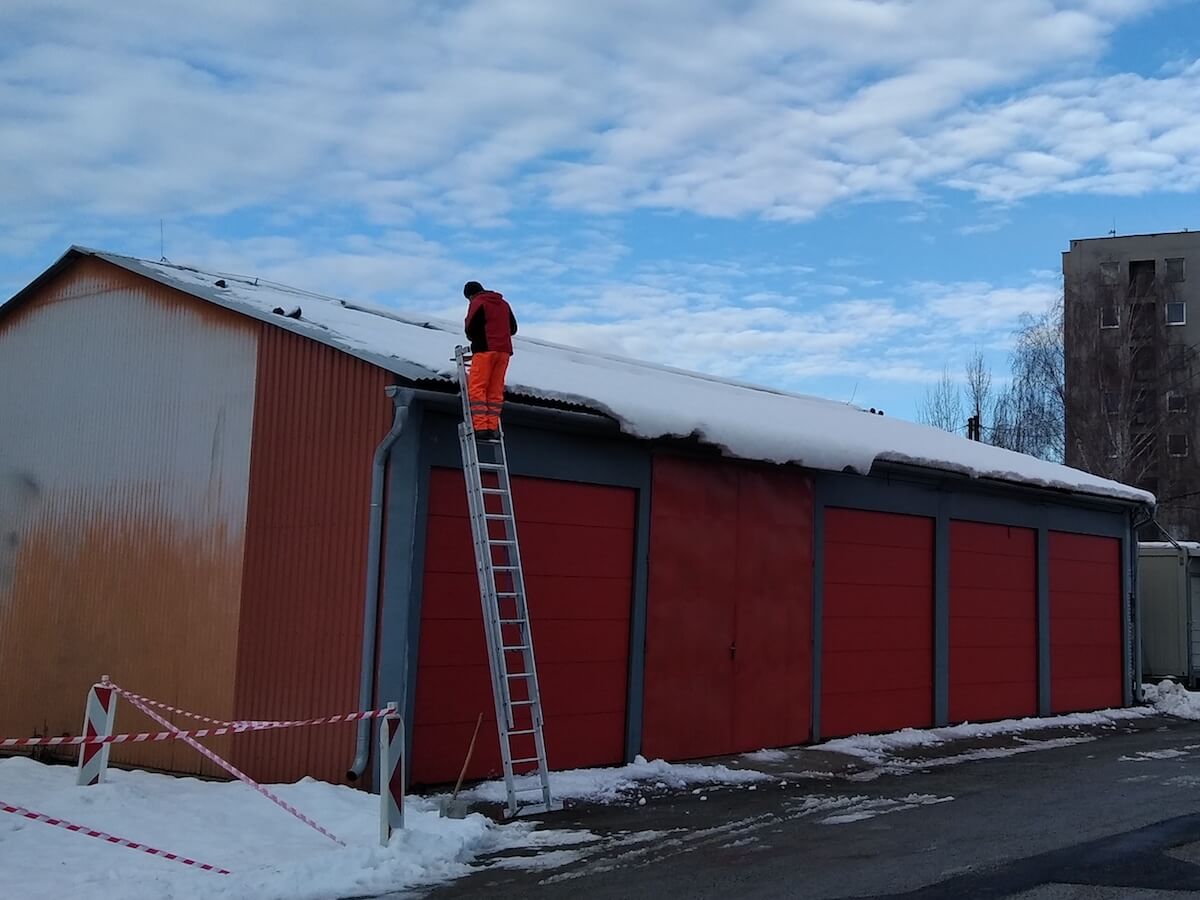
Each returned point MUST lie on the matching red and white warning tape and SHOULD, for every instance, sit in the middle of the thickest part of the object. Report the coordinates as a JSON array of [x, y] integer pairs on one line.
[[104, 836], [141, 737], [232, 770], [191, 715]]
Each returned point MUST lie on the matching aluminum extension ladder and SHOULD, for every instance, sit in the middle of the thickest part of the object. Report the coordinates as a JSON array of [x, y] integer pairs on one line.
[[505, 611]]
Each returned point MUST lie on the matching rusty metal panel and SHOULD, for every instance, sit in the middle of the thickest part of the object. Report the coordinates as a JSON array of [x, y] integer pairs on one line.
[[125, 424], [320, 414]]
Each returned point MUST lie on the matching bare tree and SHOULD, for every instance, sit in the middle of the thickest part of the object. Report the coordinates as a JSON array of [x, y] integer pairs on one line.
[[1029, 413], [978, 387], [942, 406]]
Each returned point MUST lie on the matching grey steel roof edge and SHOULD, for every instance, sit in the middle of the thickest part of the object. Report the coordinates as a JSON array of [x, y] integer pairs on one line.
[[395, 365], [53, 270], [884, 468]]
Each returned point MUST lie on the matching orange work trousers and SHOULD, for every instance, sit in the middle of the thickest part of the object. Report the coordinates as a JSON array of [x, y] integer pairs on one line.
[[486, 389]]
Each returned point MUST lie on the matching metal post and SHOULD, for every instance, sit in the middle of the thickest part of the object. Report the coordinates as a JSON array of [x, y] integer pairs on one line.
[[391, 774], [99, 714]]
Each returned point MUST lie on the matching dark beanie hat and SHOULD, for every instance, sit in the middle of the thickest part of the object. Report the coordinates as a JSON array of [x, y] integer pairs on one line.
[[471, 288]]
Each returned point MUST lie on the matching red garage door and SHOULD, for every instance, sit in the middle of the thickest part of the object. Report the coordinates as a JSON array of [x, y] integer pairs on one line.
[[729, 609], [577, 545], [1085, 622], [993, 622], [877, 645]]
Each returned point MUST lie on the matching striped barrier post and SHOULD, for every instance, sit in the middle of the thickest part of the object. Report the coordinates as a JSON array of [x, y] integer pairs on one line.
[[391, 774], [99, 715]]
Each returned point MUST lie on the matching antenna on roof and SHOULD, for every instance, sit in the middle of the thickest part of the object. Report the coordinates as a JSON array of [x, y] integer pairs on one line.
[[1113, 231], [162, 243]]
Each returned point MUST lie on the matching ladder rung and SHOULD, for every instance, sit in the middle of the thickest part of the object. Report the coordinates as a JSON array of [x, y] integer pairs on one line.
[[497, 516], [525, 731], [519, 675], [517, 762], [492, 466], [494, 490], [520, 703], [512, 622], [507, 595], [507, 568], [528, 790], [515, 647], [504, 543]]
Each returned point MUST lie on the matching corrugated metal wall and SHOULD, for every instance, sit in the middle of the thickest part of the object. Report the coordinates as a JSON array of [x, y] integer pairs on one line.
[[319, 416], [125, 414]]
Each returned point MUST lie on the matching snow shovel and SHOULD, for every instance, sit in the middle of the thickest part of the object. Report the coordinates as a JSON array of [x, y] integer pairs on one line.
[[455, 808]]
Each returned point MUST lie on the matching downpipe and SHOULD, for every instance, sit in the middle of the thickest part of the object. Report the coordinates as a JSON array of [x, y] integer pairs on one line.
[[366, 685]]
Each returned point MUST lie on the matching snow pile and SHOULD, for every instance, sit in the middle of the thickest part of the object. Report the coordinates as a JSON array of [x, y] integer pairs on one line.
[[1172, 699], [648, 401], [767, 756], [270, 854], [618, 784], [879, 749]]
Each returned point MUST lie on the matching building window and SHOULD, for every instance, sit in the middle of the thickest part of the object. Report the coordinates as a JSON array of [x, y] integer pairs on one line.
[[1176, 402], [1175, 270], [1110, 272], [1110, 316], [1141, 273], [1176, 313], [1177, 444]]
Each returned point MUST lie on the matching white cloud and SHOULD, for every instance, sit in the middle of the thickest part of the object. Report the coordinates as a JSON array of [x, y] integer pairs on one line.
[[771, 107]]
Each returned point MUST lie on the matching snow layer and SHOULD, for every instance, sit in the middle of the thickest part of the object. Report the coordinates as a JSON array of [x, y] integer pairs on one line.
[[614, 785], [648, 401], [879, 749], [270, 854]]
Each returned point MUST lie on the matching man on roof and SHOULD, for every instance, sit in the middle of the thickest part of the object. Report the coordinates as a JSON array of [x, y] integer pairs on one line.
[[490, 325]]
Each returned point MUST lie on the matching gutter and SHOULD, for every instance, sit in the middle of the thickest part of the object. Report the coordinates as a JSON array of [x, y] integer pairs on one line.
[[366, 685]]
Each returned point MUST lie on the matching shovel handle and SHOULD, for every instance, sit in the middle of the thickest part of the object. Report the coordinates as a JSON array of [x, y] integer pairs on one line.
[[467, 761]]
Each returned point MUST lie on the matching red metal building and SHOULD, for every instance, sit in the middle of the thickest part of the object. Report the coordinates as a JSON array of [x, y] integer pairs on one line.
[[187, 467]]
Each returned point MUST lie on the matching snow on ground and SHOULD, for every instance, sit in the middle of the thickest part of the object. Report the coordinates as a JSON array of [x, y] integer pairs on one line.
[[227, 824], [879, 749], [766, 756], [615, 785], [1173, 699]]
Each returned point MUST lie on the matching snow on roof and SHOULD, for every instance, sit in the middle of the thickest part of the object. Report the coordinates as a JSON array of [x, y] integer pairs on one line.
[[1191, 547], [647, 400]]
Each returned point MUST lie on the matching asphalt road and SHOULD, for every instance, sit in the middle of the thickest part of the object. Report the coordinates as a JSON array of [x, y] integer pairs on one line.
[[1075, 813]]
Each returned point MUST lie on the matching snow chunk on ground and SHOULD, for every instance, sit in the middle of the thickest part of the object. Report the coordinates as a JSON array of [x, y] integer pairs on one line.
[[878, 749], [226, 824], [617, 784], [1172, 699], [766, 756]]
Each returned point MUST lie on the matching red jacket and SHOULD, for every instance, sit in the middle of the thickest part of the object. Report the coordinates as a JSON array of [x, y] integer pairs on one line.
[[490, 323]]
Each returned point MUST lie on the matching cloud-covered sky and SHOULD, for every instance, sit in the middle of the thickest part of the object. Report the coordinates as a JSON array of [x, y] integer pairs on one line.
[[837, 196]]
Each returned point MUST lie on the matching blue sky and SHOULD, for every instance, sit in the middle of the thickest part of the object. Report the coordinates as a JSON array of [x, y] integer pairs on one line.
[[835, 196]]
